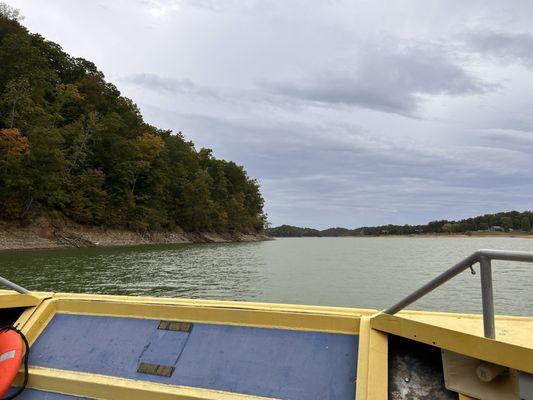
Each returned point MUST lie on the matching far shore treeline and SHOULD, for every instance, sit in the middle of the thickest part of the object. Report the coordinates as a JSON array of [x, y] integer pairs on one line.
[[503, 221], [73, 148]]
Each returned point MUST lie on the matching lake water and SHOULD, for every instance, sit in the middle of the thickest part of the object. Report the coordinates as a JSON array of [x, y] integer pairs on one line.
[[358, 272]]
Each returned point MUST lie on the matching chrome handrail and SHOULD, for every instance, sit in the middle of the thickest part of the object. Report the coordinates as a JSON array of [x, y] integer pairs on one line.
[[483, 257], [14, 286]]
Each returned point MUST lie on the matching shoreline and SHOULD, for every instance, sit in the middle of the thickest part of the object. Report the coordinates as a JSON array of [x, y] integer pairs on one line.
[[522, 235], [43, 234], [516, 234]]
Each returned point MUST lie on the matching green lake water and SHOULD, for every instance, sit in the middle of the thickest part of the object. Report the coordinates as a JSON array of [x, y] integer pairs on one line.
[[358, 272]]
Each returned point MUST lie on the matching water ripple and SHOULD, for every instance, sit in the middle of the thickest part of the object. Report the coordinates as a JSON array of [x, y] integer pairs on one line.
[[359, 272]]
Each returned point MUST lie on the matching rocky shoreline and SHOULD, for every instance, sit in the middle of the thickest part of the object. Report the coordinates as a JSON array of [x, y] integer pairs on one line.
[[43, 234]]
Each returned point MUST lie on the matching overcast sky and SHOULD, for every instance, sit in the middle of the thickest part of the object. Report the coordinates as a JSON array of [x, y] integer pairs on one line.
[[349, 113]]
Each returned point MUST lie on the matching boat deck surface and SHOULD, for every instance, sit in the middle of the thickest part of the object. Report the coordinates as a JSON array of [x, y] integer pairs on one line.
[[134, 348], [298, 365], [32, 394]]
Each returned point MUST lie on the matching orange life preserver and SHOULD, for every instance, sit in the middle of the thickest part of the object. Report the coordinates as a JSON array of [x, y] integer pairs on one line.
[[11, 349]]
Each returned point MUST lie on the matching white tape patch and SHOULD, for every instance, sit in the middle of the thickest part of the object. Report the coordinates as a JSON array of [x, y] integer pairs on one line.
[[8, 355]]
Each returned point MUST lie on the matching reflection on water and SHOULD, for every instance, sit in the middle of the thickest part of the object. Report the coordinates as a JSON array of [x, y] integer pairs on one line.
[[359, 272]]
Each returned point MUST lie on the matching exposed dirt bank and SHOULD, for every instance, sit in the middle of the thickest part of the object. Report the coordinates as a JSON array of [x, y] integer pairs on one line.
[[43, 234]]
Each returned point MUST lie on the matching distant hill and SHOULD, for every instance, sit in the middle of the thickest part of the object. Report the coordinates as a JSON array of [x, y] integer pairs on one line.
[[292, 231], [503, 221], [338, 232]]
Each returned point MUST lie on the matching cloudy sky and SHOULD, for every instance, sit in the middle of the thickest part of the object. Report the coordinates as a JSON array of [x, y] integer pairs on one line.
[[349, 113]]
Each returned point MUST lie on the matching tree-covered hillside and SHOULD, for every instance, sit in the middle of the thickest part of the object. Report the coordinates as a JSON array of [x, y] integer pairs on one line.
[[504, 221], [292, 231], [72, 147]]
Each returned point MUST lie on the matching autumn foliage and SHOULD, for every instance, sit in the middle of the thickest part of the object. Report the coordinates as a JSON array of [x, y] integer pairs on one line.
[[13, 144]]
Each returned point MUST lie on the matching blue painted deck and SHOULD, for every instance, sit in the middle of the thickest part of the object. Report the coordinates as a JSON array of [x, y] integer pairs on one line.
[[30, 394], [293, 365]]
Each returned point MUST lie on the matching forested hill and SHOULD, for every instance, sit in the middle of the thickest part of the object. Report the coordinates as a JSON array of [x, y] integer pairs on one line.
[[72, 147], [504, 221]]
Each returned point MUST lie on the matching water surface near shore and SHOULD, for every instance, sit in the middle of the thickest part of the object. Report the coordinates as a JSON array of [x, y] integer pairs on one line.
[[359, 272]]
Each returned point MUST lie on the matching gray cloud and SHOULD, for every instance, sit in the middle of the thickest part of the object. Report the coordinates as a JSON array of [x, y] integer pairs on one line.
[[170, 85], [514, 140], [390, 80], [351, 177], [311, 96], [187, 89], [207, 5], [504, 46]]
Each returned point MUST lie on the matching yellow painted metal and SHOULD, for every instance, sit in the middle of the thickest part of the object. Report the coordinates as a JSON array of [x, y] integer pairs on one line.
[[25, 316], [372, 363], [477, 346], [510, 329], [104, 387], [465, 397], [282, 316], [234, 313], [37, 319], [38, 295], [363, 356], [13, 300], [218, 303]]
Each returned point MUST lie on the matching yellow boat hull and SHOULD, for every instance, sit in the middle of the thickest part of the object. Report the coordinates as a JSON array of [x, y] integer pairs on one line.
[[40, 314]]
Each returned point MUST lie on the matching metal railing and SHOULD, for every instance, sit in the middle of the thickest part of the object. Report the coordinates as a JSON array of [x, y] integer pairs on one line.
[[13, 286], [484, 258]]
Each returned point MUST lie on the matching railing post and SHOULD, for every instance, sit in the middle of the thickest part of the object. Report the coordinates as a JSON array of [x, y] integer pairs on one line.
[[13, 286], [487, 297]]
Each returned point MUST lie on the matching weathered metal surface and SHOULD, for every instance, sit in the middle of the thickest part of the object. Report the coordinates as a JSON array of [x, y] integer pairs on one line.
[[175, 326], [155, 369], [415, 372]]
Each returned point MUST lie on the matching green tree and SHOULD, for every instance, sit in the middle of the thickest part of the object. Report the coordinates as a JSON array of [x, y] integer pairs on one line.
[[450, 227], [526, 224], [88, 198], [507, 223], [72, 146], [483, 226], [16, 101]]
